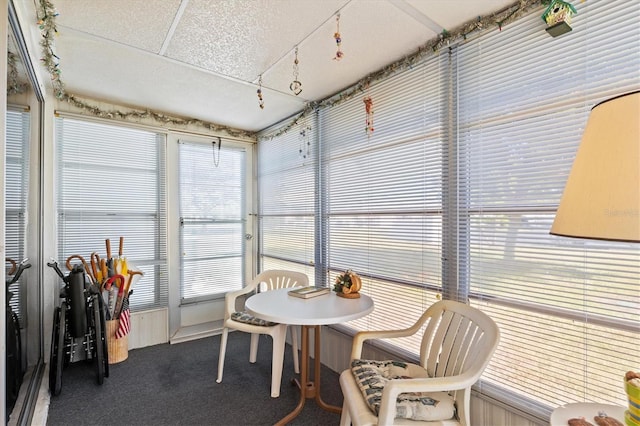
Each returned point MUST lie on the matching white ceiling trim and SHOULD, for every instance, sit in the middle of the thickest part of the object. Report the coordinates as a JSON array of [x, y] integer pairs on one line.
[[417, 15], [174, 25]]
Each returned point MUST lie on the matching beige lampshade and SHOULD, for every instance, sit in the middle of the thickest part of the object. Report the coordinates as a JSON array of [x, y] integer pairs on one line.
[[601, 199]]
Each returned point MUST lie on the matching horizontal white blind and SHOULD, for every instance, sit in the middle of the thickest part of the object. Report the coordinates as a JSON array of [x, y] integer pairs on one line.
[[212, 225], [494, 132], [111, 184], [287, 199], [382, 192], [569, 310], [16, 186]]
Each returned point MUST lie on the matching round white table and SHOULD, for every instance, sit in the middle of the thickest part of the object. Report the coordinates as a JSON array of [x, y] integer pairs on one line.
[[561, 415], [278, 306]]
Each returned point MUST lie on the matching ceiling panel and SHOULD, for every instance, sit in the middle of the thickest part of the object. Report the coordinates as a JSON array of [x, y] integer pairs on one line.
[[366, 48], [242, 38], [139, 23], [128, 77]]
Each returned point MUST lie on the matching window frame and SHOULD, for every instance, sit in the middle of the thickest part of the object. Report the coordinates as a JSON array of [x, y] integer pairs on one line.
[[229, 281], [532, 109], [154, 286], [456, 274], [287, 184]]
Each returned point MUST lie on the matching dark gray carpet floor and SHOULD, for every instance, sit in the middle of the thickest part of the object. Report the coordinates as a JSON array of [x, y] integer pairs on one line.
[[176, 385]]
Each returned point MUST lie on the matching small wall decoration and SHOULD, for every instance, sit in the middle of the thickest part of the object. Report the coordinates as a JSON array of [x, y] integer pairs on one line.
[[368, 107], [336, 35], [216, 161], [305, 142], [296, 86], [558, 17], [260, 100]]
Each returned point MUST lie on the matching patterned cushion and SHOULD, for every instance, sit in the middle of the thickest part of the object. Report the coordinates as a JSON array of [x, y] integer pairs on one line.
[[372, 376], [249, 319]]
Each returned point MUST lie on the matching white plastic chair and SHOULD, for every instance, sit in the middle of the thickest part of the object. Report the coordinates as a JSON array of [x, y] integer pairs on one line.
[[242, 321], [456, 347]]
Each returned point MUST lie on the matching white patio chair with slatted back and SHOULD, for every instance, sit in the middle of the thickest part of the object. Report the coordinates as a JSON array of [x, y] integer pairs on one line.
[[456, 347], [243, 321]]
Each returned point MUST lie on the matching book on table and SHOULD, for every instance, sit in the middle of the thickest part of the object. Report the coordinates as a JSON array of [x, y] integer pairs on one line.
[[308, 292]]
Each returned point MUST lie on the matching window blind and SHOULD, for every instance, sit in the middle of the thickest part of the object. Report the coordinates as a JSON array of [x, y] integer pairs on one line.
[[455, 192], [568, 309], [382, 193], [287, 189], [16, 191], [212, 225], [111, 184]]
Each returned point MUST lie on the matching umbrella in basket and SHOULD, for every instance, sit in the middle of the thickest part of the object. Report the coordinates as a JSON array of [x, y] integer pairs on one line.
[[114, 288], [121, 261], [120, 297], [110, 266], [108, 269], [84, 266], [96, 268]]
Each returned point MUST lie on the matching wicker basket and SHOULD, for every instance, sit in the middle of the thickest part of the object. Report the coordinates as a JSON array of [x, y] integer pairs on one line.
[[118, 348]]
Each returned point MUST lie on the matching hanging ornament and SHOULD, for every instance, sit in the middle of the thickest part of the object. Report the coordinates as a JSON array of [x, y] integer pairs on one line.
[[260, 101], [305, 141], [296, 86], [336, 35], [368, 107], [216, 161], [558, 17]]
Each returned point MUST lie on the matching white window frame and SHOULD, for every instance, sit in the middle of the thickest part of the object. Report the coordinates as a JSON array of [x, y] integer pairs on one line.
[[218, 154], [288, 206], [600, 28], [149, 256], [562, 304]]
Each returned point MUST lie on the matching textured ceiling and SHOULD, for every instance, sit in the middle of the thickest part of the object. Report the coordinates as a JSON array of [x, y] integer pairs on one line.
[[202, 58]]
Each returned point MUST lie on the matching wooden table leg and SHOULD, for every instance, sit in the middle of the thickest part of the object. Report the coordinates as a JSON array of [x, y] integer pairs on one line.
[[309, 389], [317, 366]]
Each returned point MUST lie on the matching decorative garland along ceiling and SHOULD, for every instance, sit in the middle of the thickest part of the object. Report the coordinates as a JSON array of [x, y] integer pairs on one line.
[[203, 59]]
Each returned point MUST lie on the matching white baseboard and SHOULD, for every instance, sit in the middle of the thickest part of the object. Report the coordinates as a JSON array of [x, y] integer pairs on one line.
[[198, 331]]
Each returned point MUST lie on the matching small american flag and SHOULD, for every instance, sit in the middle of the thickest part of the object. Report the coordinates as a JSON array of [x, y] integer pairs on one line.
[[125, 319]]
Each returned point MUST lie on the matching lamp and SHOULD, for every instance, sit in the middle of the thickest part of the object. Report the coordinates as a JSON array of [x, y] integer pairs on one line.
[[601, 199]]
